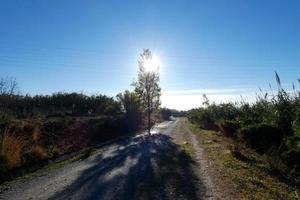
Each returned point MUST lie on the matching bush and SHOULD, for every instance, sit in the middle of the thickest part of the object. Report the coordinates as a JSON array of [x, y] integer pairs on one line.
[[210, 116], [296, 121], [261, 137], [290, 153], [269, 125], [228, 128], [203, 117], [285, 112], [56, 105], [54, 153], [132, 110], [165, 113]]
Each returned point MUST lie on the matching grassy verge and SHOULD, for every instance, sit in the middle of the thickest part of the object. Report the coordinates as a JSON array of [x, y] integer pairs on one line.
[[55, 165], [47, 168], [250, 174]]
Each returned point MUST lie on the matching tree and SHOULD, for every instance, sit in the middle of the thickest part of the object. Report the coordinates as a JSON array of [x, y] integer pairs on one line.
[[131, 106], [165, 113], [147, 86], [8, 86]]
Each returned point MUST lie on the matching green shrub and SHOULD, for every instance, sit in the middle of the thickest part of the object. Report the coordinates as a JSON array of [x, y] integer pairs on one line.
[[206, 120], [269, 125], [262, 137], [263, 111], [296, 122], [54, 153], [291, 153], [229, 128], [165, 113], [285, 112]]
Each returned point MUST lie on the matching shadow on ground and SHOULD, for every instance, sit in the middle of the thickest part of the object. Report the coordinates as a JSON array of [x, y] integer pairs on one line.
[[152, 167]]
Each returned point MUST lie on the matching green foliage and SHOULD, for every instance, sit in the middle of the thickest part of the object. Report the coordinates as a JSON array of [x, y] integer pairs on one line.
[[132, 108], [285, 113], [262, 111], [296, 109], [270, 125], [229, 128], [209, 116], [290, 153], [56, 105], [165, 113], [261, 137]]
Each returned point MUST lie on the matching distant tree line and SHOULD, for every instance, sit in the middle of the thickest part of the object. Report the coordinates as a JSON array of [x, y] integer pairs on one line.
[[58, 104], [166, 113]]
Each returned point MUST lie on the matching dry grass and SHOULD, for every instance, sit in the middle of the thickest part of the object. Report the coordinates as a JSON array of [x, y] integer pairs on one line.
[[39, 153], [11, 148], [249, 173], [15, 146], [36, 134]]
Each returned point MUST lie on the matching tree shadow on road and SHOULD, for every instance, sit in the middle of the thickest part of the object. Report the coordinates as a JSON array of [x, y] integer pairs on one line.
[[151, 167]]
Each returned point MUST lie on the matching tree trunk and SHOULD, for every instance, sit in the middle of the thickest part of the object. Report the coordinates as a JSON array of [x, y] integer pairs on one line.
[[148, 104], [149, 122]]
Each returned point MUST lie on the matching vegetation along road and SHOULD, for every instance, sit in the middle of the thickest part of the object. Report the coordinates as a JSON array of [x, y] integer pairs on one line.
[[166, 165]]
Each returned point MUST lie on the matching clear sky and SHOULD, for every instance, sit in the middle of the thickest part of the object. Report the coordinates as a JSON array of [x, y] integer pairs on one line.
[[224, 48]]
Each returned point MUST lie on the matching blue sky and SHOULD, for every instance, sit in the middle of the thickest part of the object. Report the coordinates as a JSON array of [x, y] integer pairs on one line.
[[224, 48]]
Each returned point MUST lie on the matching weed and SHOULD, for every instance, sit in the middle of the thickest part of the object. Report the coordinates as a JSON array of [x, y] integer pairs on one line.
[[11, 148]]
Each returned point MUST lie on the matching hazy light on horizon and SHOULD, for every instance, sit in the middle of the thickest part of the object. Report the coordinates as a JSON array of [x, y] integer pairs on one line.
[[188, 99]]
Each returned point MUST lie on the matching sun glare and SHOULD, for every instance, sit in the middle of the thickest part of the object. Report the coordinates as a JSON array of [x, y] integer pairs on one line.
[[152, 64]]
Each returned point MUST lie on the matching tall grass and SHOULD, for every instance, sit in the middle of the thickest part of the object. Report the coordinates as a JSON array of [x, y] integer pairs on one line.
[[270, 125], [20, 146], [11, 147]]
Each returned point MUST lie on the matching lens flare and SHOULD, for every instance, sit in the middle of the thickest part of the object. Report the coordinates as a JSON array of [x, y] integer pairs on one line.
[[152, 64]]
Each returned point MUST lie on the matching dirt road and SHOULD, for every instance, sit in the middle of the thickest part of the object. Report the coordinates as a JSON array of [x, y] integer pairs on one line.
[[159, 166]]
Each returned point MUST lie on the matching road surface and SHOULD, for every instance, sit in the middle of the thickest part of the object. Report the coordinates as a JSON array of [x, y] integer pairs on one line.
[[140, 167]]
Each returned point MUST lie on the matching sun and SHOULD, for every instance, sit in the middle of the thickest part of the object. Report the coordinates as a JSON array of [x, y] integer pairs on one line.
[[153, 64]]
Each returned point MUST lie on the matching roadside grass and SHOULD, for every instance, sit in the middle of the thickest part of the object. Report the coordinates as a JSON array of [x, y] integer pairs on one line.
[[187, 146], [47, 168], [184, 142], [250, 173], [84, 154], [187, 149]]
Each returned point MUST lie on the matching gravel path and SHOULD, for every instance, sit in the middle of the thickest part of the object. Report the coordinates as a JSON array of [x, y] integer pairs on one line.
[[141, 167]]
